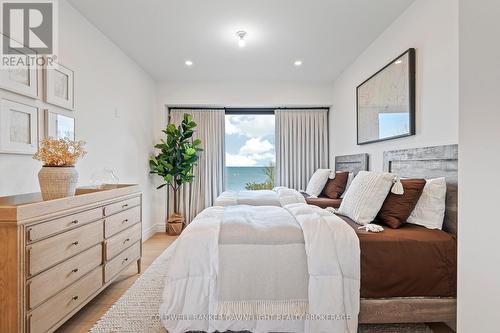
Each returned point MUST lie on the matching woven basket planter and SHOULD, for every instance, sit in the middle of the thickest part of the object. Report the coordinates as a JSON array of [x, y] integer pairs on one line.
[[57, 182], [175, 223]]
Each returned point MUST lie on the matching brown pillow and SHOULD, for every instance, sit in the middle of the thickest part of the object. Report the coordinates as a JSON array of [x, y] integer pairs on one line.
[[397, 208], [335, 187]]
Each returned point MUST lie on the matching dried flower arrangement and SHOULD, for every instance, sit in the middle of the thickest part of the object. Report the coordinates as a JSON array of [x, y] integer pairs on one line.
[[60, 152]]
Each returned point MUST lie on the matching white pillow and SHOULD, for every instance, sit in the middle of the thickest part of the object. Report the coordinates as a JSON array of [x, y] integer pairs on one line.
[[430, 208], [366, 195], [317, 182], [350, 177]]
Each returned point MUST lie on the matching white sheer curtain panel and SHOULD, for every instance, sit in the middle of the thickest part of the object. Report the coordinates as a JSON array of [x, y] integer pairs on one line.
[[208, 182], [301, 145]]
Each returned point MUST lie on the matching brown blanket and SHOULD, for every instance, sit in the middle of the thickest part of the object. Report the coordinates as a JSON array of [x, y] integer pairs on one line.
[[324, 202], [411, 261]]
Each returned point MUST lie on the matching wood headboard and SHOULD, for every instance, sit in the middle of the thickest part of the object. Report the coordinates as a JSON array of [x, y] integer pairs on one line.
[[352, 163], [430, 162]]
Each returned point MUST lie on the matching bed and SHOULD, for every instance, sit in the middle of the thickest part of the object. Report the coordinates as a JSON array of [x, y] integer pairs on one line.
[[405, 275], [433, 305], [263, 269], [278, 196], [281, 196], [350, 163]]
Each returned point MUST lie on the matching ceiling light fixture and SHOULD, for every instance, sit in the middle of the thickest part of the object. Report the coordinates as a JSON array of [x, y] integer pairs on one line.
[[297, 63], [241, 35], [188, 63]]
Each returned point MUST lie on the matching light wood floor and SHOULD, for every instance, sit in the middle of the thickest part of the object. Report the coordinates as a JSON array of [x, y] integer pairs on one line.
[[84, 319]]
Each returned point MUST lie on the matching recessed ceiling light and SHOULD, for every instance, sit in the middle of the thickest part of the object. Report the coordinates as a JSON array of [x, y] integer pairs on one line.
[[188, 63], [297, 63], [241, 38]]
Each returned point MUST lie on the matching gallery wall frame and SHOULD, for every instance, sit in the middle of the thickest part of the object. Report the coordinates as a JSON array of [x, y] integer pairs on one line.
[[18, 127], [22, 79], [59, 86], [58, 125]]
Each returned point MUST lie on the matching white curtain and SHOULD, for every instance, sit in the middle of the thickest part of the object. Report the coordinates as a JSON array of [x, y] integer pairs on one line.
[[208, 180], [301, 145]]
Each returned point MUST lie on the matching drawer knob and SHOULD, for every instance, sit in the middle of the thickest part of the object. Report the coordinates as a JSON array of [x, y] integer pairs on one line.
[[75, 243], [74, 298], [126, 240], [125, 260], [125, 206], [74, 270], [74, 222], [125, 221]]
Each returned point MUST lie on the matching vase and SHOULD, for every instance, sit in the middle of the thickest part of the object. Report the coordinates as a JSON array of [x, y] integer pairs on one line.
[[57, 182], [175, 223]]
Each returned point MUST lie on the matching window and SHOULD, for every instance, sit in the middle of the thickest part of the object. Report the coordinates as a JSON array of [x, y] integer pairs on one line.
[[250, 153]]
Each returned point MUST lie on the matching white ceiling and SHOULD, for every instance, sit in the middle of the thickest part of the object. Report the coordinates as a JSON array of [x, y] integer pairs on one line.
[[327, 35]]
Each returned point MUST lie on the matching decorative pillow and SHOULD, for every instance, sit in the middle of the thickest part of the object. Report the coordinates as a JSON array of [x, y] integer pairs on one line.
[[397, 208], [366, 195], [430, 208], [336, 186], [349, 181], [317, 182]]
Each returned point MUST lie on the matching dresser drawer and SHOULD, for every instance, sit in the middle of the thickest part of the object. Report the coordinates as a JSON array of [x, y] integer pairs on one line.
[[121, 205], [55, 309], [122, 240], [44, 285], [121, 221], [48, 252], [65, 223], [115, 266]]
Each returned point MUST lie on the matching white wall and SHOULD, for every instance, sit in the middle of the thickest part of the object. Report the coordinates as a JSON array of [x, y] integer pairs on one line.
[[259, 94], [479, 160], [116, 113], [430, 26]]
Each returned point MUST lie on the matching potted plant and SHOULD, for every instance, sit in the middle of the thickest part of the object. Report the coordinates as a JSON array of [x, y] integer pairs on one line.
[[178, 155], [58, 176]]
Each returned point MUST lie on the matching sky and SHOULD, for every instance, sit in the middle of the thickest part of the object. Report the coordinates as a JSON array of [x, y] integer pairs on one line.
[[393, 124], [250, 140]]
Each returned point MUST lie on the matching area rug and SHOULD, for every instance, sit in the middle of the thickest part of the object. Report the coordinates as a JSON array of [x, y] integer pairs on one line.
[[137, 310]]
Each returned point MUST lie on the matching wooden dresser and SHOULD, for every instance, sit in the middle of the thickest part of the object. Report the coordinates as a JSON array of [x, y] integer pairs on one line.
[[55, 256]]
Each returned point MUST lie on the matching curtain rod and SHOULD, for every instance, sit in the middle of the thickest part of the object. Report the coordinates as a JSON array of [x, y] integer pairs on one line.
[[243, 111], [246, 109]]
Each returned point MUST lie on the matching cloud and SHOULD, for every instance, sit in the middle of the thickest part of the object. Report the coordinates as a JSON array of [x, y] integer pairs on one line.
[[242, 160], [256, 146], [250, 125], [258, 149], [230, 127], [267, 156], [236, 160]]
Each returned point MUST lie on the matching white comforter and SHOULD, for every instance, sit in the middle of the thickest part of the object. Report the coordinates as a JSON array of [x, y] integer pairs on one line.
[[291, 269], [278, 196]]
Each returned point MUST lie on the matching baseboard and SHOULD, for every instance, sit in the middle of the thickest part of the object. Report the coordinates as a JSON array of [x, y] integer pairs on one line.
[[149, 232]]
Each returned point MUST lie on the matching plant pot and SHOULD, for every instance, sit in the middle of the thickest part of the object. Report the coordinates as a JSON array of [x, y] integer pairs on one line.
[[175, 223], [57, 182]]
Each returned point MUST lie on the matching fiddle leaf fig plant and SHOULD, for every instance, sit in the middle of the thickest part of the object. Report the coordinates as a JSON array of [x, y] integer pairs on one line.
[[177, 157]]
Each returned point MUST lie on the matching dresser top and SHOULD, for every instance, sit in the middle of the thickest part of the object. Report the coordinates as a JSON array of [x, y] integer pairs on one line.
[[25, 207]]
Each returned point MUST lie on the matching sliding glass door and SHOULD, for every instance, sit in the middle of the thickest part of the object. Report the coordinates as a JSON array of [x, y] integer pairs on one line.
[[250, 150]]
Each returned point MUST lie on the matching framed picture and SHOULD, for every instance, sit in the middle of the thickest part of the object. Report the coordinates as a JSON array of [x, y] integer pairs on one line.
[[59, 82], [21, 79], [59, 126], [385, 102], [18, 128]]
